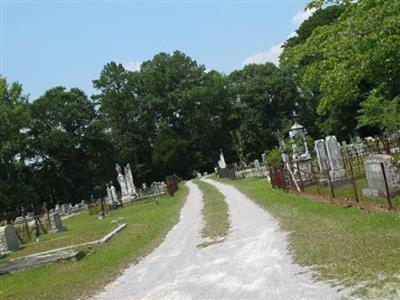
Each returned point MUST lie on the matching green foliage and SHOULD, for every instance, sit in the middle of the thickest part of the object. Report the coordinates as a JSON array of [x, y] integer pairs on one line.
[[377, 111], [265, 98], [171, 116], [340, 73], [274, 157], [345, 60], [69, 150], [14, 150]]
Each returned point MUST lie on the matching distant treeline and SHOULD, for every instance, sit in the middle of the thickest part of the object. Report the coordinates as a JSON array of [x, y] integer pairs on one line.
[[340, 73]]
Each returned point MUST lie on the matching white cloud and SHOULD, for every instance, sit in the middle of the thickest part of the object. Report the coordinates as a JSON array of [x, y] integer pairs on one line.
[[301, 16], [132, 65], [271, 55]]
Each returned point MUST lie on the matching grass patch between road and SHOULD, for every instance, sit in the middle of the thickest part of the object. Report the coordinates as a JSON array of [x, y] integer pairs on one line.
[[147, 225], [215, 214], [349, 246]]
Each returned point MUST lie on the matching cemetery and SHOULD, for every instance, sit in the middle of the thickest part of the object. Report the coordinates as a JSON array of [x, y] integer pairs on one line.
[[261, 163], [365, 173], [36, 238]]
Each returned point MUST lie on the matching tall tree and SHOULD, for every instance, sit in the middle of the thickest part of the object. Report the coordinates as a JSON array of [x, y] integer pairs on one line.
[[71, 152], [349, 61], [15, 175], [265, 98]]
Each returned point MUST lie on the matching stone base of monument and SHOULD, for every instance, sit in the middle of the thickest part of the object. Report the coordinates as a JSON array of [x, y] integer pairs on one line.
[[338, 182], [375, 193], [338, 177], [128, 198]]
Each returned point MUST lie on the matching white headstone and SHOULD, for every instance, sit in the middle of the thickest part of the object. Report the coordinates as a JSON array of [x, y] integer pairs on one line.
[[323, 160], [109, 195], [221, 162], [8, 239], [122, 181], [376, 182], [335, 158], [129, 181], [114, 193], [56, 223]]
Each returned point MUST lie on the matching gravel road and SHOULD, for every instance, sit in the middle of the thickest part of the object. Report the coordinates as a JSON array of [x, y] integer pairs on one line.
[[251, 263]]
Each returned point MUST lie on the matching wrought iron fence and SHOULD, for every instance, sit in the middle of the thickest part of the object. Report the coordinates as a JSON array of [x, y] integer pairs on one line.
[[354, 184]]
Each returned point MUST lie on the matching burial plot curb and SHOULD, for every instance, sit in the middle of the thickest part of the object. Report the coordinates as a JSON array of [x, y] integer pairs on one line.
[[37, 260], [103, 240]]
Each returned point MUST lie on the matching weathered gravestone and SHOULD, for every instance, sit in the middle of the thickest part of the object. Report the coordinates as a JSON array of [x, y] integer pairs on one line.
[[65, 208], [8, 239], [376, 181], [56, 223], [323, 160], [336, 171]]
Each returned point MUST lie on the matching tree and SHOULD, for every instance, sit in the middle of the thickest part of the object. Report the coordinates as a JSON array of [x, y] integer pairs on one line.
[[349, 58], [15, 175], [70, 151], [265, 98], [169, 110]]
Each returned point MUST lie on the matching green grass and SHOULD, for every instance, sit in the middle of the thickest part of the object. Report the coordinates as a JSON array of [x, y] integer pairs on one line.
[[347, 192], [353, 247], [215, 213], [80, 229], [147, 225]]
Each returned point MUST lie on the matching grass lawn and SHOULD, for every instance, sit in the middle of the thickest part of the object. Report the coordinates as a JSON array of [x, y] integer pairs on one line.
[[347, 192], [147, 225], [215, 213], [353, 247], [80, 229]]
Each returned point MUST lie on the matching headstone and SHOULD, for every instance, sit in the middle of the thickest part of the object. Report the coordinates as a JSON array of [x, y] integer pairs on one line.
[[129, 181], [8, 239], [335, 158], [263, 158], [221, 162], [122, 181], [65, 208], [376, 182], [114, 193], [58, 208], [109, 195], [56, 222], [322, 156], [256, 164]]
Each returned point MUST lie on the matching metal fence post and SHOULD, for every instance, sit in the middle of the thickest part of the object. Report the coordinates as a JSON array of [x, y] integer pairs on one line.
[[301, 180], [389, 200], [353, 181], [331, 185]]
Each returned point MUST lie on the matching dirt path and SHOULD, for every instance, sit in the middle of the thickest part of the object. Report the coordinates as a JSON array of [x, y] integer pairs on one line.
[[252, 262]]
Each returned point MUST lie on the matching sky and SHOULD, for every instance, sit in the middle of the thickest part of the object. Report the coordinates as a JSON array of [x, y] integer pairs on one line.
[[45, 43]]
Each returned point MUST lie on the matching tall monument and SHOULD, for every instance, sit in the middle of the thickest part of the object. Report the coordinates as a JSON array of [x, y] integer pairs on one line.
[[129, 181]]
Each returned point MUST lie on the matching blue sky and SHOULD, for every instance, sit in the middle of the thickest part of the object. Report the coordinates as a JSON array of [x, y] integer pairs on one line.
[[50, 43]]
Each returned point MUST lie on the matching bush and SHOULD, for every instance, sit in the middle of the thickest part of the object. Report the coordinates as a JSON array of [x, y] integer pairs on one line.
[[274, 157]]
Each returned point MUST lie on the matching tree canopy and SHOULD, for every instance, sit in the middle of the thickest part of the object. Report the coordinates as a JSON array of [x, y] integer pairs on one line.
[[339, 74]]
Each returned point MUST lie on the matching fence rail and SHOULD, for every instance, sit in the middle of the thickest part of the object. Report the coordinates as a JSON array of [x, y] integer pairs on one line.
[[352, 185]]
